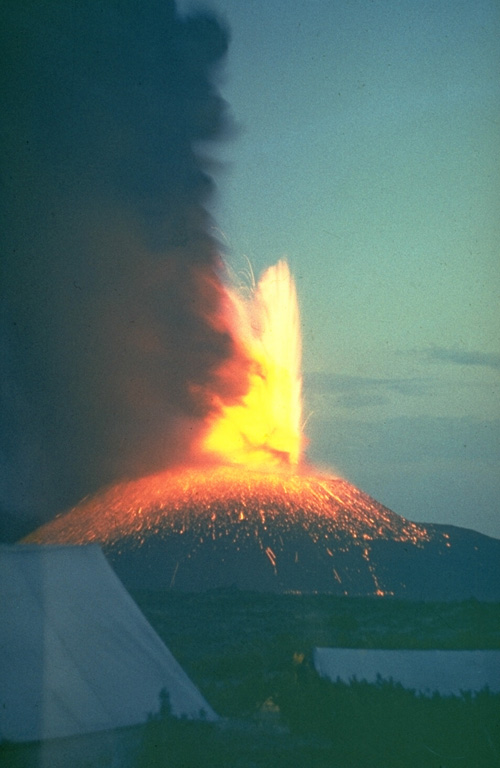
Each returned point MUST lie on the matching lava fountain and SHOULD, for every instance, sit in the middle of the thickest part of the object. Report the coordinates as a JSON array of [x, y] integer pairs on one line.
[[248, 511], [264, 428]]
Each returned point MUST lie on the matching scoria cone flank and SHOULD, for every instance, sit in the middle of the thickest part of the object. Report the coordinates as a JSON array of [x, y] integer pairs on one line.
[[201, 528]]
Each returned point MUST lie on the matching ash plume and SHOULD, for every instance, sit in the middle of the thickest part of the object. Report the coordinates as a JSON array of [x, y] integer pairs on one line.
[[113, 325]]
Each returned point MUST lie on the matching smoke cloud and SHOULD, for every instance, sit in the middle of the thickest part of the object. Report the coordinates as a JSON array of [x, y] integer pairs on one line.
[[113, 325]]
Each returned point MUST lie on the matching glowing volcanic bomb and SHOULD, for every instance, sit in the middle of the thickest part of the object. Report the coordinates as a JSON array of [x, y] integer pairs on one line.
[[249, 512]]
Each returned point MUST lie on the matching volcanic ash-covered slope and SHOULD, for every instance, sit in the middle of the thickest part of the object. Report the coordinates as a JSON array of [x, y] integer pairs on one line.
[[204, 528]]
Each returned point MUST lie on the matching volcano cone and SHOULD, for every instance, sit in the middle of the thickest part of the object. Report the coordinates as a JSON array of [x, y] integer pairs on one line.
[[218, 527]]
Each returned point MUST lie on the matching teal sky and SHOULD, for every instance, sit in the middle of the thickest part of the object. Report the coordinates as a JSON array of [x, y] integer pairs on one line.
[[368, 154]]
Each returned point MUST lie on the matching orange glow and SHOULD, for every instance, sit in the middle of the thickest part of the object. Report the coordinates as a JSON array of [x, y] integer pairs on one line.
[[263, 428], [222, 501], [283, 525]]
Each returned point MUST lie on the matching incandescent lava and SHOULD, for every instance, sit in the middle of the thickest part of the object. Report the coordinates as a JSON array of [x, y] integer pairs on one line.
[[226, 501], [223, 526], [249, 514], [202, 528]]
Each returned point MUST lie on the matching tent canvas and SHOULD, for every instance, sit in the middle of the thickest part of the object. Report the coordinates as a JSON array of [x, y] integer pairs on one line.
[[76, 654], [444, 672]]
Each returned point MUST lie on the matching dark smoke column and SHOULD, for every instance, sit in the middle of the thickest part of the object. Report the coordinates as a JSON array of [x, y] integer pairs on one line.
[[112, 330]]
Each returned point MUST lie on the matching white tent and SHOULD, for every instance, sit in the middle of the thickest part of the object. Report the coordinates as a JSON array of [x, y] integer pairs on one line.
[[76, 654], [444, 672]]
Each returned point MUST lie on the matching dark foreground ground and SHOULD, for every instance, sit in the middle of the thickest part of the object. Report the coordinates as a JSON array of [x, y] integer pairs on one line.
[[250, 654]]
